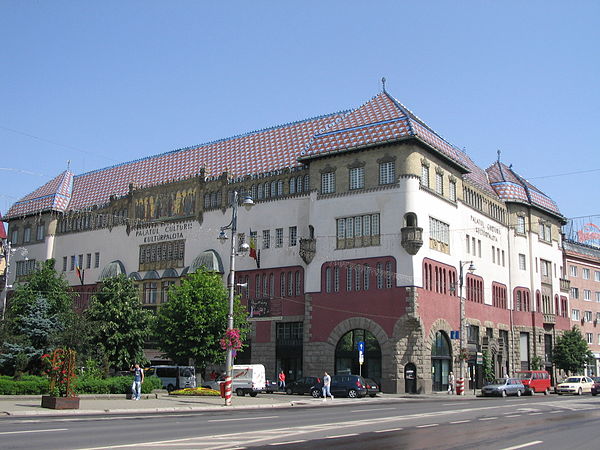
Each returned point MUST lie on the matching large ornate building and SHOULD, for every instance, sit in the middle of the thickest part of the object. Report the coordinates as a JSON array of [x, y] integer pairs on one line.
[[364, 222]]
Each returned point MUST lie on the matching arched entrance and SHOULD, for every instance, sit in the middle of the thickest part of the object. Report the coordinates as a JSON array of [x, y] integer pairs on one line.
[[441, 361], [346, 354]]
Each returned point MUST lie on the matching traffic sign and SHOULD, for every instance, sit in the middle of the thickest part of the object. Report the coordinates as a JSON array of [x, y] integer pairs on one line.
[[479, 358], [361, 346]]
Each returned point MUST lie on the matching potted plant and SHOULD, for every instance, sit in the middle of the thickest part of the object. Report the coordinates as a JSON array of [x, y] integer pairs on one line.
[[60, 368]]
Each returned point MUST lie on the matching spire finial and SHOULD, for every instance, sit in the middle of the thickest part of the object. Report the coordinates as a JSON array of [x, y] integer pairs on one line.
[[383, 84], [499, 155], [68, 164]]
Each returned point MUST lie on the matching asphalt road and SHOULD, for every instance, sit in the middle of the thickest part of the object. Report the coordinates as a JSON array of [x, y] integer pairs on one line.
[[528, 422]]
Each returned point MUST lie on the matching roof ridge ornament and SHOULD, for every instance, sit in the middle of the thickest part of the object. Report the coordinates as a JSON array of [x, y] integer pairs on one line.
[[383, 84]]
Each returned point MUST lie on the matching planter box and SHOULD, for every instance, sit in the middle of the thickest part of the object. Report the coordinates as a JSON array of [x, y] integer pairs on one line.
[[60, 402]]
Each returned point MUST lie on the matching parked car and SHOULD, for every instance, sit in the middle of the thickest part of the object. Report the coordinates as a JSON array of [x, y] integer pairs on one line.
[[271, 386], [305, 385], [372, 387], [535, 381], [575, 385], [504, 387], [596, 386], [353, 386]]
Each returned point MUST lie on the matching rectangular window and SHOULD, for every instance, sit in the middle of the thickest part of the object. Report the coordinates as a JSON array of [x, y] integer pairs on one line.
[[585, 273], [387, 172], [452, 191], [520, 225], [293, 236], [349, 278], [27, 235], [589, 337], [14, 237], [574, 292], [328, 280], [25, 267], [328, 183], [479, 247], [439, 183], [282, 284], [573, 271], [468, 244], [587, 295], [439, 231], [357, 231], [40, 232], [597, 275], [425, 175], [266, 239], [336, 279], [72, 262], [389, 275], [150, 293], [379, 275], [493, 254], [88, 261], [279, 237], [357, 178], [64, 263], [598, 297], [522, 262], [96, 260], [587, 316], [575, 314]]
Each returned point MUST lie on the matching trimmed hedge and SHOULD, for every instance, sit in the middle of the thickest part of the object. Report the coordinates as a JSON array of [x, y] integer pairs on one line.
[[33, 385]]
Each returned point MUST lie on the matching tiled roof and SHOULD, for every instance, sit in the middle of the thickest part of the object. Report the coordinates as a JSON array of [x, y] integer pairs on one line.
[[54, 195], [380, 120], [2, 229], [508, 185]]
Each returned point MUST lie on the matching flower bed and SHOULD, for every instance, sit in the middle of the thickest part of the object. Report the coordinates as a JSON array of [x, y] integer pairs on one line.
[[200, 392]]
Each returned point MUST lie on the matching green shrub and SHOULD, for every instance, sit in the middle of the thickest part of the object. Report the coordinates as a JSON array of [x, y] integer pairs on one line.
[[34, 385]]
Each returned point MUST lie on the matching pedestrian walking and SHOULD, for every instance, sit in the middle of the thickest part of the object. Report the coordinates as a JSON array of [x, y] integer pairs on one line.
[[138, 379], [326, 386], [450, 383], [281, 381]]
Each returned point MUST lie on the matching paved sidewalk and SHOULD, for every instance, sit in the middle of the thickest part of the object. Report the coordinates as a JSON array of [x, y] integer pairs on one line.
[[19, 406]]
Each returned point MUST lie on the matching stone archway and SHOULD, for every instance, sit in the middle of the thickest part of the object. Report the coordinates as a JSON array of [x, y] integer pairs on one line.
[[385, 344]]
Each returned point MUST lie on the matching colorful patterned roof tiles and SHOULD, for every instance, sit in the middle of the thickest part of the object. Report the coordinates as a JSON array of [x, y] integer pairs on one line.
[[54, 195], [508, 185]]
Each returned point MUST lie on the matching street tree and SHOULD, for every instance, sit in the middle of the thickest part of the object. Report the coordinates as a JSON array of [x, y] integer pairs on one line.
[[120, 325], [571, 352], [191, 324]]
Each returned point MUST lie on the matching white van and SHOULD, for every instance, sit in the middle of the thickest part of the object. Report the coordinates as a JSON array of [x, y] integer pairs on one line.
[[175, 377], [248, 379]]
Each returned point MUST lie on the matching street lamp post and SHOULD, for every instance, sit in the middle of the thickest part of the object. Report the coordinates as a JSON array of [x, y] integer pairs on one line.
[[463, 346], [248, 203]]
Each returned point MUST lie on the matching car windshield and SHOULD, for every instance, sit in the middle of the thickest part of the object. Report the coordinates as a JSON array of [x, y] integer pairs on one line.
[[500, 381], [572, 380]]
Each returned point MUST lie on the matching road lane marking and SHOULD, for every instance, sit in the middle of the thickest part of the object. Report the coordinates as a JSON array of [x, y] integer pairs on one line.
[[243, 418], [535, 414], [374, 409], [299, 441], [460, 421], [389, 430], [528, 444], [555, 412], [34, 431], [488, 418], [341, 436], [428, 425], [514, 415]]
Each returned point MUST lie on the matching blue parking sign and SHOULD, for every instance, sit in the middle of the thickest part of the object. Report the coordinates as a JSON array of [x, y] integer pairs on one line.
[[361, 346]]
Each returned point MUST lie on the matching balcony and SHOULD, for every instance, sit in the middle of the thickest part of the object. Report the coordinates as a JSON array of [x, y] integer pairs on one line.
[[264, 307], [308, 249], [549, 319], [412, 239], [565, 285]]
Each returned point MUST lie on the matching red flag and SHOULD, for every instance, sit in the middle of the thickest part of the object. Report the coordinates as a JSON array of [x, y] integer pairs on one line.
[[253, 253]]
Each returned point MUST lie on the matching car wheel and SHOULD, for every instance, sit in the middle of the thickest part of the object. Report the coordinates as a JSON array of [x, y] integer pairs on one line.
[[352, 393], [289, 391], [170, 388], [547, 391], [518, 392], [503, 393], [253, 394], [580, 391], [372, 395], [594, 393], [559, 393], [315, 393], [240, 392]]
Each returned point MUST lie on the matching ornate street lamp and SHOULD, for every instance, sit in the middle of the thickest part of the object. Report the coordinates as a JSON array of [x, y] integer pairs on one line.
[[463, 346]]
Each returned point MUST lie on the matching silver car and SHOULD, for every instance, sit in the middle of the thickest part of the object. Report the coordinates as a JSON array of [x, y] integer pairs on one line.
[[503, 387]]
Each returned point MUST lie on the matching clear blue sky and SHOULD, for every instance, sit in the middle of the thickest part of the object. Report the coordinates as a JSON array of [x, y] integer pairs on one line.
[[100, 83]]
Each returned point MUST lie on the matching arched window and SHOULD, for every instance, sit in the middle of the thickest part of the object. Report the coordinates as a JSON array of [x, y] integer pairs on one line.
[[410, 220], [299, 184], [267, 189], [346, 354], [292, 185], [306, 183]]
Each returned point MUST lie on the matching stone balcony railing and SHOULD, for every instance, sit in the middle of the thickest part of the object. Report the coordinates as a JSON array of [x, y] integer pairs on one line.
[[411, 239], [549, 318], [565, 285]]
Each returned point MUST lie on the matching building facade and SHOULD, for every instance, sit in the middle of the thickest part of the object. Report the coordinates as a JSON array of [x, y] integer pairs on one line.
[[364, 226]]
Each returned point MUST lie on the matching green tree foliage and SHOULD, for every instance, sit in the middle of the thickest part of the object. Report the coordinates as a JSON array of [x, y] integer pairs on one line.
[[119, 323], [191, 324], [488, 369], [571, 352]]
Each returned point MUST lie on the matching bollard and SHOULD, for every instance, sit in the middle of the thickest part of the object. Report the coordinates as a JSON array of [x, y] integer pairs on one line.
[[460, 386], [227, 384]]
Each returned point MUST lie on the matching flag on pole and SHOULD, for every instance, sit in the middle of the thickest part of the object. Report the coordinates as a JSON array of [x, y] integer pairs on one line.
[[253, 252], [80, 272]]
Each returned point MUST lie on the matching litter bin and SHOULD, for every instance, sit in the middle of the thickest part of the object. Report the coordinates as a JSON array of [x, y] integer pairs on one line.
[[222, 389]]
